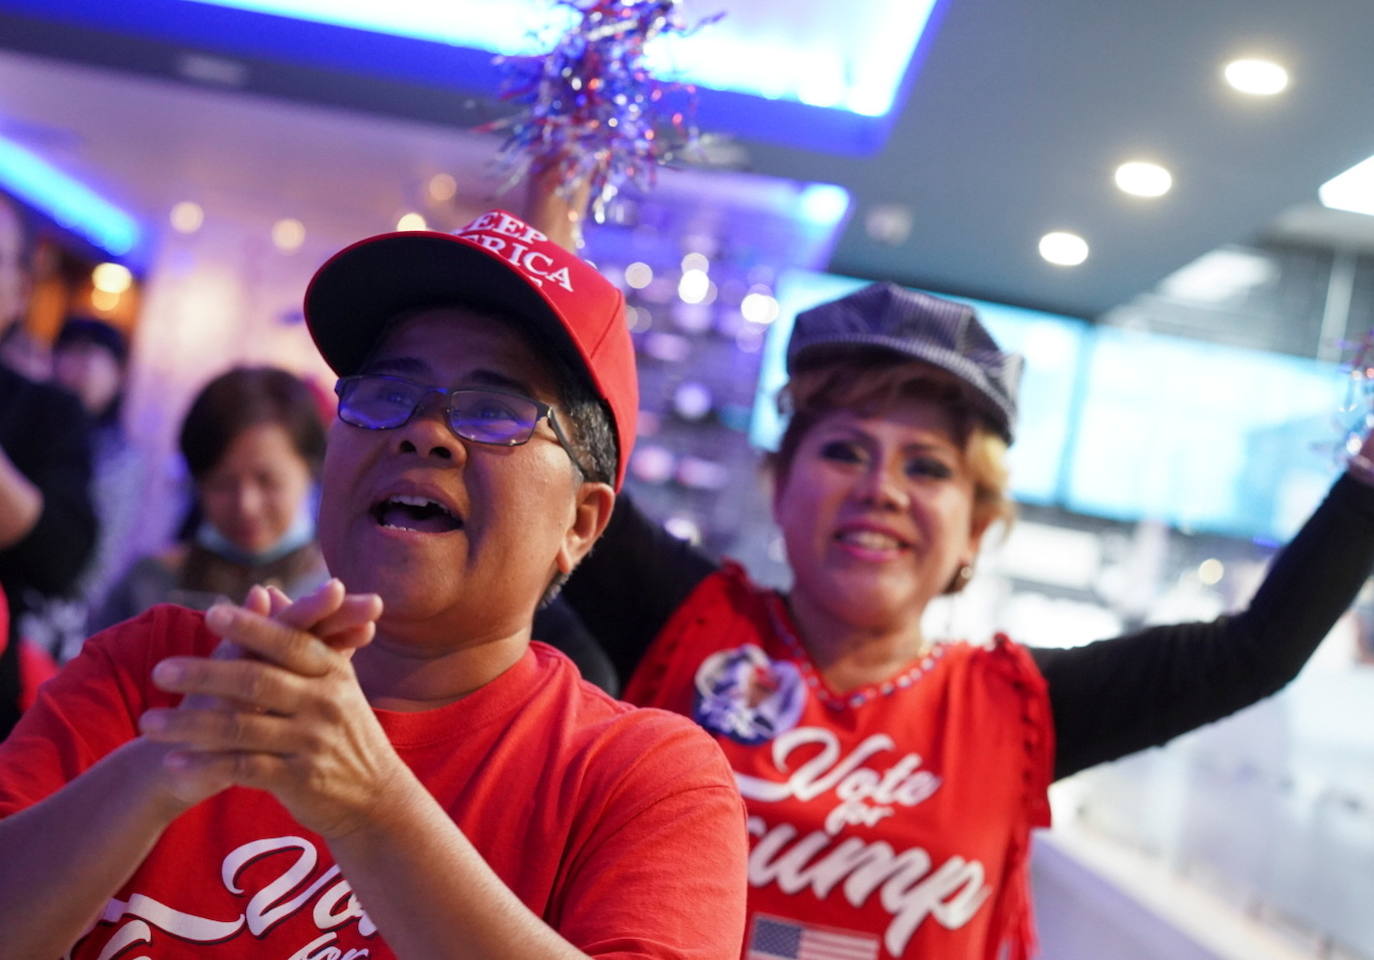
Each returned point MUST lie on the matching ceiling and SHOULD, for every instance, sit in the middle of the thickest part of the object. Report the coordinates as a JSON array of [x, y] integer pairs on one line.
[[1011, 127]]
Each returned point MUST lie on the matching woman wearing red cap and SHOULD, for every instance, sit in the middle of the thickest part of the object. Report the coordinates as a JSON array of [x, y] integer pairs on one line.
[[400, 772], [892, 779]]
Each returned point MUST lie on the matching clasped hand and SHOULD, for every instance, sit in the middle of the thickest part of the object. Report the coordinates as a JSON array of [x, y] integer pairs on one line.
[[278, 707]]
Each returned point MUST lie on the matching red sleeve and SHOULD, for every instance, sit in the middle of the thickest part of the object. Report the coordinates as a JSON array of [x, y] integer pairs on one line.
[[93, 703], [36, 666], [662, 874]]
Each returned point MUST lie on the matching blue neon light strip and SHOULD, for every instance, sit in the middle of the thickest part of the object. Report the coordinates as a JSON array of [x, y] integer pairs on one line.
[[69, 202], [864, 80]]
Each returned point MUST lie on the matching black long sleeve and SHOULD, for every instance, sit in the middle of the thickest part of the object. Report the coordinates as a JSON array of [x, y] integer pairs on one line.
[[1109, 698], [1114, 697], [630, 584], [45, 433]]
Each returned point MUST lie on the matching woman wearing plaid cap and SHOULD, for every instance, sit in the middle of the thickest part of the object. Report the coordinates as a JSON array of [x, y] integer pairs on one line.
[[892, 781]]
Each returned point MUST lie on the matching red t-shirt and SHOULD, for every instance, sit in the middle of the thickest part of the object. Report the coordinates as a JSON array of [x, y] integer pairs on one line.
[[891, 821], [620, 827]]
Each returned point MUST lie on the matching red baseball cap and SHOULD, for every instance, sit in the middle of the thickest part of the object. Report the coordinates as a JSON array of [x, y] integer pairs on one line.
[[497, 263]]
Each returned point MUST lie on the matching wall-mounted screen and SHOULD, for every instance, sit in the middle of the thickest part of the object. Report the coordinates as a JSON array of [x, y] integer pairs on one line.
[[1202, 435]]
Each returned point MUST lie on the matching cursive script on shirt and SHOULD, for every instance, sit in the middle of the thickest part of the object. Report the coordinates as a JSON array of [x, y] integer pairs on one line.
[[908, 884]]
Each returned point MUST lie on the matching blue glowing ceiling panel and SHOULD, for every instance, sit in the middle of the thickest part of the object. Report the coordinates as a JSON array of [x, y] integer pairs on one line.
[[1203, 435], [850, 57], [813, 74], [68, 201]]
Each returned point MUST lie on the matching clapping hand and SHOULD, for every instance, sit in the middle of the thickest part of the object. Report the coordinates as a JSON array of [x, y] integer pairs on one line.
[[278, 707]]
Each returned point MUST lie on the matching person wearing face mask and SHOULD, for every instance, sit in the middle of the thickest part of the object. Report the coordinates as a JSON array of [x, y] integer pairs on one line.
[[893, 777], [253, 441], [399, 772]]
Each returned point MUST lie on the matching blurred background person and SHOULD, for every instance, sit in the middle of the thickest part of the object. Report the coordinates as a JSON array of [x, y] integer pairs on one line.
[[253, 441], [47, 524], [24, 353], [90, 360]]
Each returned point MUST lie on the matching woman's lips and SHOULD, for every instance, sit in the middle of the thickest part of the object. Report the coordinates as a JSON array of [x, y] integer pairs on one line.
[[868, 543]]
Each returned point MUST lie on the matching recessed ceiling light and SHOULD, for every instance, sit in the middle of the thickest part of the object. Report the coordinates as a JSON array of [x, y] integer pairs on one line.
[[1141, 178], [187, 217], [823, 204], [112, 278], [889, 223], [1210, 571], [1261, 78], [288, 234], [759, 308], [1063, 249], [412, 221], [639, 275], [693, 286], [696, 261], [1352, 190], [442, 188]]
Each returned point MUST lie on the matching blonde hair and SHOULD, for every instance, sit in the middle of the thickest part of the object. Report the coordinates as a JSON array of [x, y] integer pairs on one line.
[[872, 380]]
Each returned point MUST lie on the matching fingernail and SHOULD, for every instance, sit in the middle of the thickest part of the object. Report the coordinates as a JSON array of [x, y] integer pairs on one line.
[[166, 672], [218, 617], [154, 722]]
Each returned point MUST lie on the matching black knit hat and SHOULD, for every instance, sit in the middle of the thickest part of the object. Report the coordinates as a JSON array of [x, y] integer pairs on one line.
[[939, 332], [83, 329]]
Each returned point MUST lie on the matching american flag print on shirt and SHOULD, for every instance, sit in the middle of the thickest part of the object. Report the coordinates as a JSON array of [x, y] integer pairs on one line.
[[773, 938]]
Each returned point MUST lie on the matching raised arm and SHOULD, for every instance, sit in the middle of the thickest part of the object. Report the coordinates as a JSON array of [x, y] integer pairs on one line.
[[1115, 697]]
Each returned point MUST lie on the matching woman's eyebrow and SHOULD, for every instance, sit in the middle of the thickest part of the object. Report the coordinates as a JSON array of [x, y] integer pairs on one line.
[[416, 369], [935, 446], [502, 381], [835, 431], [396, 365], [858, 433]]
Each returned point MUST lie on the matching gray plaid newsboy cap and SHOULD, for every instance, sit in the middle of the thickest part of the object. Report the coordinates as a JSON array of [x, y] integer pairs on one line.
[[939, 332]]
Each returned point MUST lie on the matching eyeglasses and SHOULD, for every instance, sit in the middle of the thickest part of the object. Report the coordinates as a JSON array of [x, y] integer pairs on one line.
[[377, 401]]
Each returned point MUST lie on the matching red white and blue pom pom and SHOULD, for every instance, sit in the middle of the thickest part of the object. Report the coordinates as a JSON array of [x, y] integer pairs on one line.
[[1355, 418], [591, 106]]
